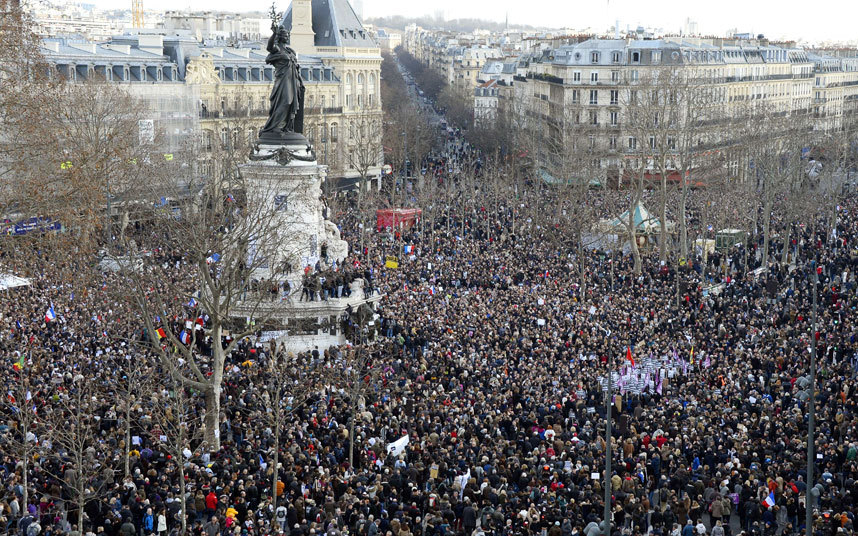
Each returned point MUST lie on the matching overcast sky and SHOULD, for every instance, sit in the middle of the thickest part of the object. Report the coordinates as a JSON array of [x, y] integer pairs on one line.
[[819, 19], [809, 20]]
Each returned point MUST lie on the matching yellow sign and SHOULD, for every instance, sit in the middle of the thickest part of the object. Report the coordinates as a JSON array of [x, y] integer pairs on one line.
[[391, 262], [168, 157]]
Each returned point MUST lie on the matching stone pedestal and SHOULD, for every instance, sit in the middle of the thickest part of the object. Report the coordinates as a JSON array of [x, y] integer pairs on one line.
[[288, 180]]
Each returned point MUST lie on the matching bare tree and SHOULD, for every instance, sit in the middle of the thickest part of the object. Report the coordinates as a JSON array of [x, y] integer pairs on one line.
[[134, 380], [23, 439], [639, 115], [76, 444], [776, 164], [365, 133], [358, 377], [292, 381], [176, 428], [83, 157]]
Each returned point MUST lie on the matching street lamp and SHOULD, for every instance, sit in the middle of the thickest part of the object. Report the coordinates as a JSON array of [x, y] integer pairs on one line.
[[808, 496], [607, 514]]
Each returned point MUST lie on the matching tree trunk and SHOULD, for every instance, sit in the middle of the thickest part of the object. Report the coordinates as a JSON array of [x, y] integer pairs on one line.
[[212, 421], [81, 499], [127, 437], [26, 482], [352, 437], [212, 436], [785, 252], [183, 499], [767, 223]]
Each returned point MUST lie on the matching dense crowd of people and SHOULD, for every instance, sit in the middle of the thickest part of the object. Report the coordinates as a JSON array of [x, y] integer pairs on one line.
[[492, 355]]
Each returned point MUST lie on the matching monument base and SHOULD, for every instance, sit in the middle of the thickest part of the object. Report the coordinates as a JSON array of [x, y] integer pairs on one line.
[[285, 180], [267, 137]]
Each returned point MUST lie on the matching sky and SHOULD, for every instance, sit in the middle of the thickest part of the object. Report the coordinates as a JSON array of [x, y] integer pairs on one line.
[[776, 19]]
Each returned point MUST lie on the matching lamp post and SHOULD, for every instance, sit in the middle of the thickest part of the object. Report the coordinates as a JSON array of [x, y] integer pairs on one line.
[[607, 514], [808, 520], [327, 134]]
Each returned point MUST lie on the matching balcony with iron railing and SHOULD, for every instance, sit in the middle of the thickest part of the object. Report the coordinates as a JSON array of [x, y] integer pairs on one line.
[[324, 111], [232, 113]]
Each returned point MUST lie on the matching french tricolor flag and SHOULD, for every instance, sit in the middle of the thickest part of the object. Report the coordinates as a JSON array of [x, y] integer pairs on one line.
[[769, 501], [192, 303], [50, 315], [185, 337]]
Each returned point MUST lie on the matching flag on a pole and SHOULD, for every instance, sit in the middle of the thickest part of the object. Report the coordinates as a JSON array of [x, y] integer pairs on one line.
[[769, 501], [629, 356], [185, 337], [398, 446], [192, 303], [50, 315], [19, 365], [160, 332]]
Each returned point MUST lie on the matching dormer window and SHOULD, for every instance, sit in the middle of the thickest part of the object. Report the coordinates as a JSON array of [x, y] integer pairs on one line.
[[594, 57], [615, 57]]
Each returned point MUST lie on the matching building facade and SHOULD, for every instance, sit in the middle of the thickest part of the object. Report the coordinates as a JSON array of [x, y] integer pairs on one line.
[[593, 84], [223, 91], [835, 90]]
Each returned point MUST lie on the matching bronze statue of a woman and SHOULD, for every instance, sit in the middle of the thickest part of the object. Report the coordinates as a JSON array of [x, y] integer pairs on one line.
[[285, 115]]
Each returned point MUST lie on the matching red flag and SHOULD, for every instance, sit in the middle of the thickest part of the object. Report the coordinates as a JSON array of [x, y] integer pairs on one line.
[[160, 332], [629, 355]]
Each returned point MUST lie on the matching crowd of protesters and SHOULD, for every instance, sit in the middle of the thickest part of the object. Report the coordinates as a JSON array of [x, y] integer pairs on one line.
[[491, 354]]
